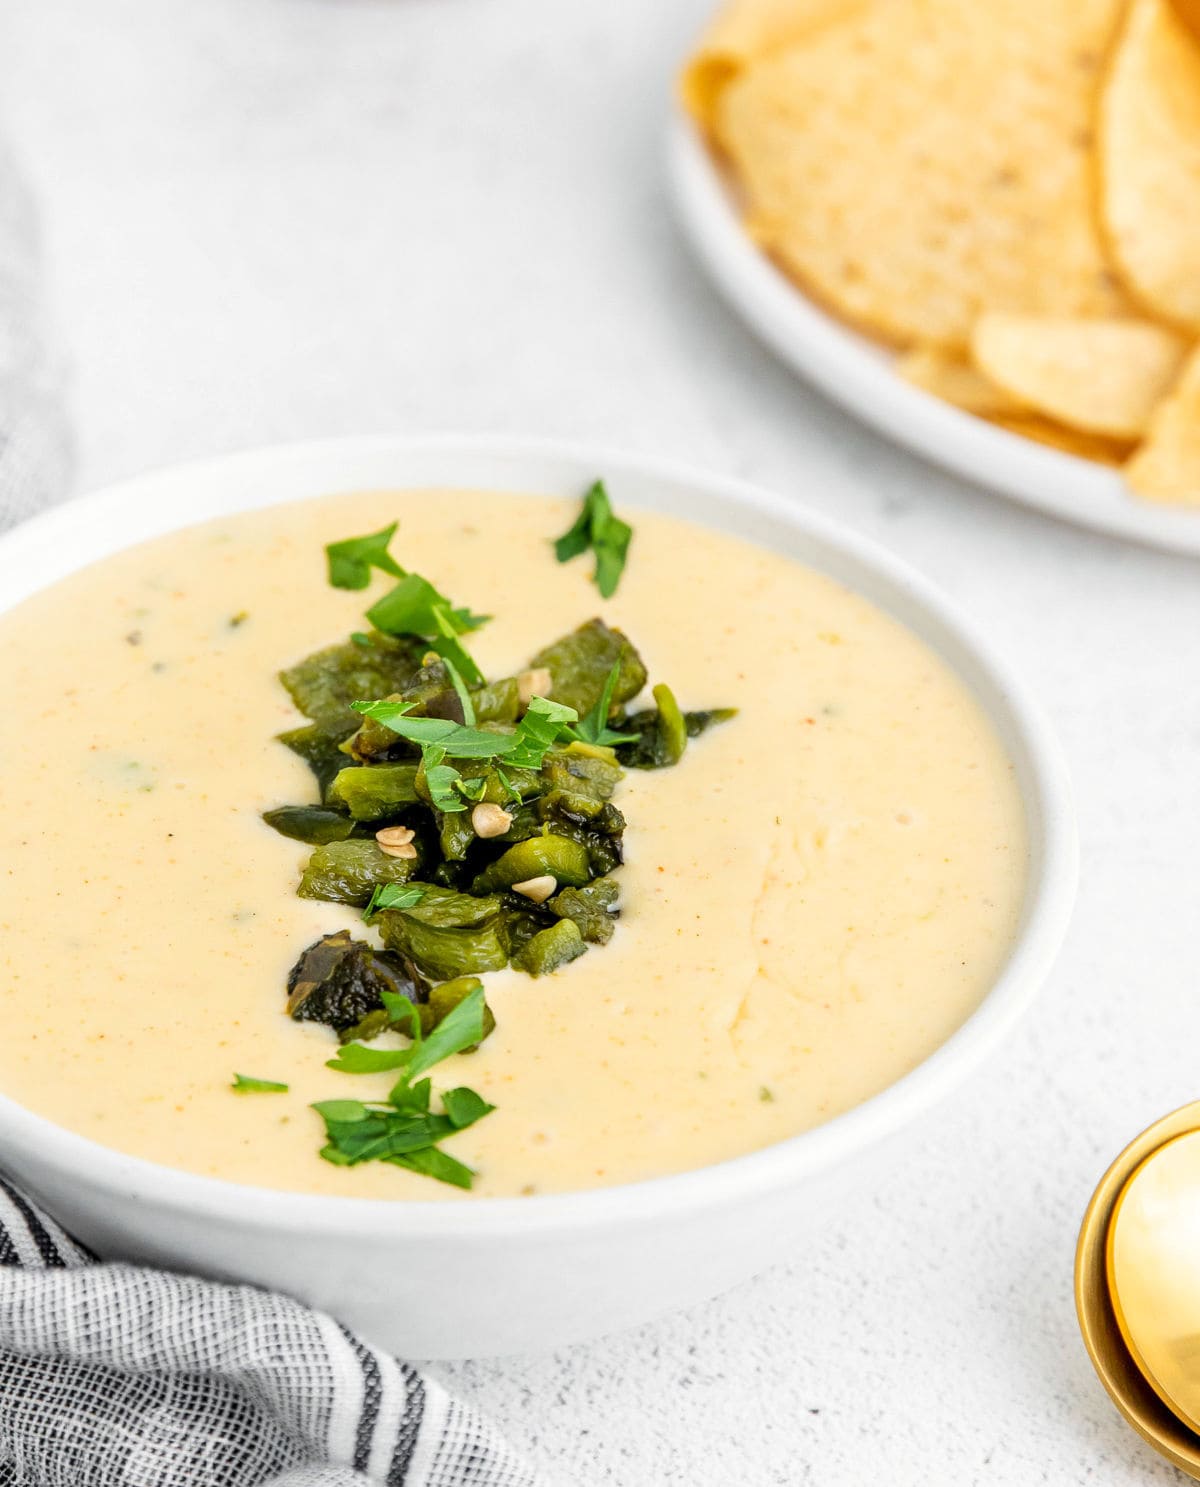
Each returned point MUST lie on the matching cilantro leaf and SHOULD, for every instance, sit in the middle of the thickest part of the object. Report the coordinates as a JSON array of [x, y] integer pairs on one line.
[[594, 729], [415, 607], [461, 1028], [460, 688], [605, 533], [458, 741], [350, 562], [245, 1085], [392, 896], [542, 726], [358, 1058], [464, 1107], [431, 1161]]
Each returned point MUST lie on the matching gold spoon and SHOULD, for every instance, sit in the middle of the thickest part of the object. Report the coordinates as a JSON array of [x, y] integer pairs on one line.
[[1188, 12], [1139, 1390]]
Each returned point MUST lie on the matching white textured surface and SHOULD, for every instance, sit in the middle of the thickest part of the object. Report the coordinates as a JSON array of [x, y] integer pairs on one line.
[[276, 218]]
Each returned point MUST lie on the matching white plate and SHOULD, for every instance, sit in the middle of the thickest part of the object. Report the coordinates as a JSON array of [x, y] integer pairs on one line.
[[858, 374]]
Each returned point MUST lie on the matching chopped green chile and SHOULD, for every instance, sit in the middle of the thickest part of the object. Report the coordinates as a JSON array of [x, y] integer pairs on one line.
[[375, 792], [589, 908], [656, 745], [566, 860], [444, 998], [579, 665], [348, 872], [446, 953], [324, 684], [551, 949], [320, 750], [338, 981], [314, 824]]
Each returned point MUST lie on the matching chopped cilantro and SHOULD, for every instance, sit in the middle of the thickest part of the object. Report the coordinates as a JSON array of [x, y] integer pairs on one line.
[[351, 561], [245, 1085], [392, 896], [606, 534], [594, 729], [403, 1131]]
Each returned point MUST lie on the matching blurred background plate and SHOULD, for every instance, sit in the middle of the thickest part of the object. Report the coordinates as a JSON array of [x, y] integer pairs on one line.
[[858, 374]]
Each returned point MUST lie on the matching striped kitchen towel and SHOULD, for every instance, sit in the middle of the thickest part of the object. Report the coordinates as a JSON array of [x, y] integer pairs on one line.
[[117, 1376]]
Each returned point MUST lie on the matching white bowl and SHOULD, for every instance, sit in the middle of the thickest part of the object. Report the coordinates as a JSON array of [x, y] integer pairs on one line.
[[439, 1280], [860, 375]]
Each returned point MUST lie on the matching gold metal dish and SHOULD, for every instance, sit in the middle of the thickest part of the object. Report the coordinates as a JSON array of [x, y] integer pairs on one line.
[[1130, 1390]]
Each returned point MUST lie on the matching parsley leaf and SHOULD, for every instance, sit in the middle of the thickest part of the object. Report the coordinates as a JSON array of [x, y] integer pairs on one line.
[[403, 1131], [431, 1161], [245, 1085], [392, 896], [460, 687], [541, 726], [594, 729], [351, 561], [415, 607], [458, 741], [438, 738], [606, 534]]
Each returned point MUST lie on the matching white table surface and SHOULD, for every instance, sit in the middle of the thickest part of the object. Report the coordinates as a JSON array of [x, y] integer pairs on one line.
[[270, 219]]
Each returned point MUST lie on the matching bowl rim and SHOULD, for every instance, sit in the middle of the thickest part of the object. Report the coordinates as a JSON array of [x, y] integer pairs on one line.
[[1050, 892]]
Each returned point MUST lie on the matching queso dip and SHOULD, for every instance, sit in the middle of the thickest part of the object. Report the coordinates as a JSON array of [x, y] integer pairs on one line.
[[818, 895]]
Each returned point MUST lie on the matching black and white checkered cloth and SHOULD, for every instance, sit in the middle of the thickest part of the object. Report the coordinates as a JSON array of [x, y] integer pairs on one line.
[[115, 1376]]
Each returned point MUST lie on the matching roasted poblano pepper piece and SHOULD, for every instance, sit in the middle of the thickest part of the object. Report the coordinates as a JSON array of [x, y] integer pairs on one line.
[[314, 824], [579, 665], [443, 908], [444, 998], [657, 744], [456, 835], [370, 1027], [319, 749], [338, 980], [550, 949], [324, 684], [585, 767], [589, 908], [348, 872], [566, 860], [443, 954], [373, 792]]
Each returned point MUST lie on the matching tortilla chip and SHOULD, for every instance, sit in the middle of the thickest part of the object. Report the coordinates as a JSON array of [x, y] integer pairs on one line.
[[743, 30], [1101, 376], [1167, 466], [1150, 161], [1069, 441], [930, 159], [956, 381]]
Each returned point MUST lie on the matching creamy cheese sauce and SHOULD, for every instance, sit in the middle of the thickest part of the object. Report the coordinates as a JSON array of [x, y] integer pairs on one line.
[[813, 900]]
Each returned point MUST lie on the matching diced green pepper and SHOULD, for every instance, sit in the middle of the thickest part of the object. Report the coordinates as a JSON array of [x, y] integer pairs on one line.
[[338, 981], [314, 824], [443, 954], [320, 750], [566, 860], [656, 745], [348, 872], [373, 792], [579, 665], [442, 908], [551, 949], [589, 908], [444, 998], [324, 684]]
